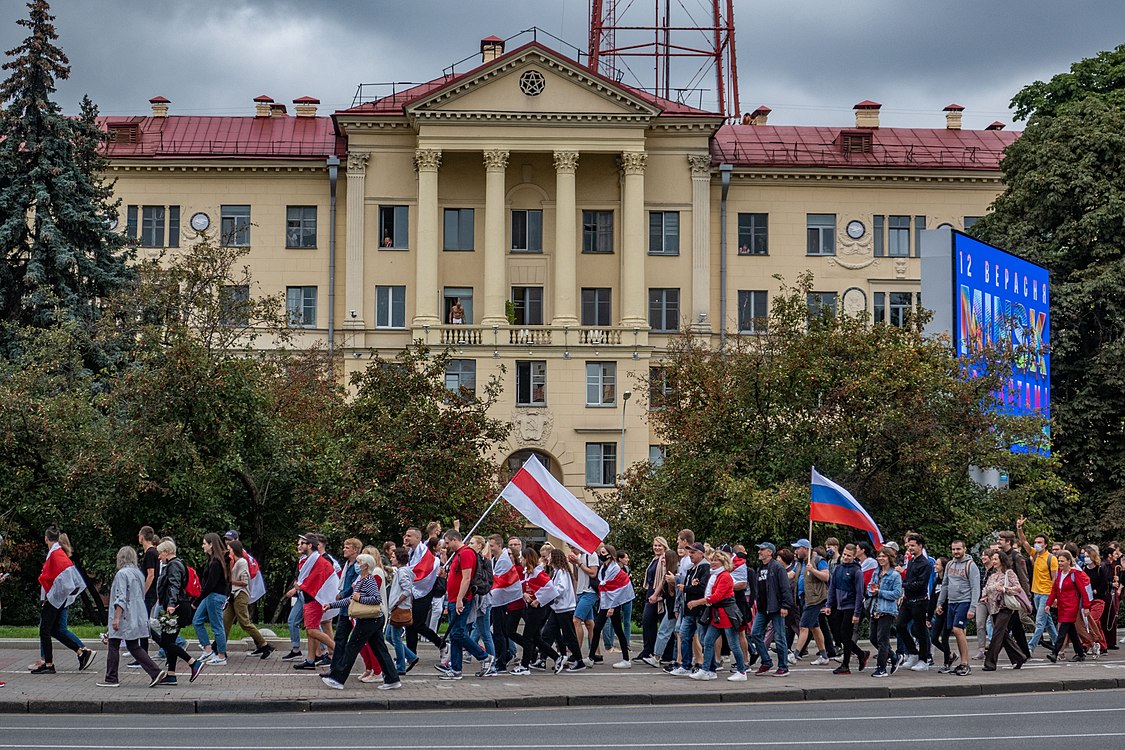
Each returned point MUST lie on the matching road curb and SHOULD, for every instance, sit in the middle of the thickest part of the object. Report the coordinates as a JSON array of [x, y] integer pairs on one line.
[[781, 694]]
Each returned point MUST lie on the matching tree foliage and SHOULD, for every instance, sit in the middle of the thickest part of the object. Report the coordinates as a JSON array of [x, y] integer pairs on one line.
[[60, 259], [1064, 208], [882, 410]]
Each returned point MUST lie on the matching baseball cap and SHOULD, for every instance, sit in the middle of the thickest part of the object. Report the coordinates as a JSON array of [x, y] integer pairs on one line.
[[232, 534], [892, 545], [697, 546], [310, 538], [801, 543], [768, 545]]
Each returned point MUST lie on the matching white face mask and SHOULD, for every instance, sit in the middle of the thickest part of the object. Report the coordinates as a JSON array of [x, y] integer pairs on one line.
[[1038, 547]]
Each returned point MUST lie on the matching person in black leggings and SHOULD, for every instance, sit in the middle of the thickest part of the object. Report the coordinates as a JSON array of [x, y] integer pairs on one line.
[[173, 599], [614, 589]]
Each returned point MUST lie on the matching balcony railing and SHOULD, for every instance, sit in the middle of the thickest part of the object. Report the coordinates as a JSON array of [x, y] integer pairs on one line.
[[498, 337]]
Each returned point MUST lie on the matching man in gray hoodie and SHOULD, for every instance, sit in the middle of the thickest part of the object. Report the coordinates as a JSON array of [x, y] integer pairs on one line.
[[960, 590]]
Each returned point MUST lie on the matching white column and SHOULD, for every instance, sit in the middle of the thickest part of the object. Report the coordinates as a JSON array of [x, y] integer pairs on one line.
[[427, 161], [633, 230], [353, 239], [700, 243], [495, 262], [566, 240]]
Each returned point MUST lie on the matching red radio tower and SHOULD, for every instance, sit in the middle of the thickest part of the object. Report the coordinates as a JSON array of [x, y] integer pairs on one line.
[[618, 31]]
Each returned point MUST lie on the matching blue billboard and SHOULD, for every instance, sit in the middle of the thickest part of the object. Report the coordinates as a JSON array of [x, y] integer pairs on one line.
[[999, 298]]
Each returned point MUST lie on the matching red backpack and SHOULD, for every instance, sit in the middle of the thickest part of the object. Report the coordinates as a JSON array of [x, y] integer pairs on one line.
[[193, 587]]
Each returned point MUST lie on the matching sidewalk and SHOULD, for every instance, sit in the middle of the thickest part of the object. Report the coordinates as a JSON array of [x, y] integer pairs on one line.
[[250, 685]]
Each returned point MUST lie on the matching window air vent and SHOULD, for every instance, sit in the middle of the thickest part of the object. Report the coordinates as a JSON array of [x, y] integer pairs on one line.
[[124, 134], [855, 142]]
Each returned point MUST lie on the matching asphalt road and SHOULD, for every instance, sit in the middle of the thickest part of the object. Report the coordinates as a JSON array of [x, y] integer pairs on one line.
[[1008, 721]]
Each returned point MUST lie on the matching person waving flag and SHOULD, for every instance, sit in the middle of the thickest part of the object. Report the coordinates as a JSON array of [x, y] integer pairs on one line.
[[831, 503], [544, 501]]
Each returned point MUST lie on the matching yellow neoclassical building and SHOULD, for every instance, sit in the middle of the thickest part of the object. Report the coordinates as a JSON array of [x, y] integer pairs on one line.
[[537, 217]]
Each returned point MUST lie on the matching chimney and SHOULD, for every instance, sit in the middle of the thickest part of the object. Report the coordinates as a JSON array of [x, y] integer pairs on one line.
[[760, 115], [262, 106], [996, 126], [278, 110], [305, 106], [953, 116], [491, 47], [867, 114], [159, 106]]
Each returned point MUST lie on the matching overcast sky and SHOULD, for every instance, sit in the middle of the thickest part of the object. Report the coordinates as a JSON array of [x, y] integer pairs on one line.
[[809, 60]]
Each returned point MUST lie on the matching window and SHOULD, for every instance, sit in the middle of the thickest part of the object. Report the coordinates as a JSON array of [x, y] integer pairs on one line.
[[300, 226], [394, 227], [753, 234], [596, 307], [601, 383], [898, 236], [601, 464], [879, 235], [235, 226], [528, 301], [152, 223], [664, 309], [531, 383], [527, 231], [390, 307], [822, 303], [919, 227], [459, 229], [597, 231], [663, 232], [897, 311], [234, 305], [969, 221], [753, 311], [659, 387], [656, 455], [462, 295], [821, 234], [461, 376], [300, 306]]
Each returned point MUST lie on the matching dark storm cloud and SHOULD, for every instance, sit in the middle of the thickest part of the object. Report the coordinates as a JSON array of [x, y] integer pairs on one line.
[[810, 60]]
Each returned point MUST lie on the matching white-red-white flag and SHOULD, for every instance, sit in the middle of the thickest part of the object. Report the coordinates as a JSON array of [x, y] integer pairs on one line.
[[544, 501], [318, 579], [425, 567]]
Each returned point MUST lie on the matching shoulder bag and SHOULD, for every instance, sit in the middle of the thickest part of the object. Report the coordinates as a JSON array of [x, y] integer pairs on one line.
[[361, 611], [402, 618]]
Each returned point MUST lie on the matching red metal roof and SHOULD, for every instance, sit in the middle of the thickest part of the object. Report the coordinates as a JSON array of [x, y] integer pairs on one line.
[[278, 137], [891, 148], [396, 103]]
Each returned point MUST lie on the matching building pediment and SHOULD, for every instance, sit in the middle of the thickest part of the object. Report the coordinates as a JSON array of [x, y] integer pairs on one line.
[[533, 84]]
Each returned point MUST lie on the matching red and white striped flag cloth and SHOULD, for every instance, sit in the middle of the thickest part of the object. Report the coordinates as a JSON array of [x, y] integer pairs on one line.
[[318, 579], [425, 568], [615, 588], [546, 503], [60, 583], [507, 584]]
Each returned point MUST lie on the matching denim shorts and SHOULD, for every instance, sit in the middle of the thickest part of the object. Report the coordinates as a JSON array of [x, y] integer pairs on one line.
[[810, 616], [585, 609], [957, 615]]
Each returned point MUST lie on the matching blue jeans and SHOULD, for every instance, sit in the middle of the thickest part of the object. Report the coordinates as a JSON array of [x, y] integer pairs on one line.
[[626, 621], [394, 635], [758, 635], [295, 620], [664, 633], [1043, 622], [459, 637], [482, 630], [211, 609], [689, 626], [710, 635]]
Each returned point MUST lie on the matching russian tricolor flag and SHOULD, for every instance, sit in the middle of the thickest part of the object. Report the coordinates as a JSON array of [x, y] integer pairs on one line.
[[831, 503]]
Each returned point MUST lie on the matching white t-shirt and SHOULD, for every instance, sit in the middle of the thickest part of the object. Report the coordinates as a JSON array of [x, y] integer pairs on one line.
[[582, 583]]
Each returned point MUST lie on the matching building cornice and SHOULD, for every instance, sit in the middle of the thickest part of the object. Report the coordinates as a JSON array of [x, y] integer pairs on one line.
[[119, 166], [772, 176]]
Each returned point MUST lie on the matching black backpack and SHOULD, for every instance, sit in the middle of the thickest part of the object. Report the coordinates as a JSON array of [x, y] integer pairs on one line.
[[481, 582]]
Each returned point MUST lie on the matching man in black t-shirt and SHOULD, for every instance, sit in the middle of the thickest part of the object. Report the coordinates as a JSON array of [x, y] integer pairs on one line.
[[150, 568]]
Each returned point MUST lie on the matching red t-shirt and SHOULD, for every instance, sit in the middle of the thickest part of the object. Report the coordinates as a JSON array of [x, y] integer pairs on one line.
[[463, 559]]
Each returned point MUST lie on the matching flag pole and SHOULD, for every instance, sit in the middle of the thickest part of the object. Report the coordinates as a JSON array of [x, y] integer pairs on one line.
[[481, 519]]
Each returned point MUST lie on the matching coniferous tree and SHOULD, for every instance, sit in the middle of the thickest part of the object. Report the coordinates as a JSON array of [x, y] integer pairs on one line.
[[61, 261]]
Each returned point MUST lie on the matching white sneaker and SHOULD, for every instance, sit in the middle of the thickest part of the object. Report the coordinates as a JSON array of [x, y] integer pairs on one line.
[[560, 664], [623, 664], [737, 677], [652, 661], [390, 686], [911, 661], [703, 675], [331, 683], [217, 661], [680, 672], [920, 667], [820, 660]]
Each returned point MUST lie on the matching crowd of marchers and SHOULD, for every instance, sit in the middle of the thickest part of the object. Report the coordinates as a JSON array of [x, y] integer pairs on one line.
[[519, 609]]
